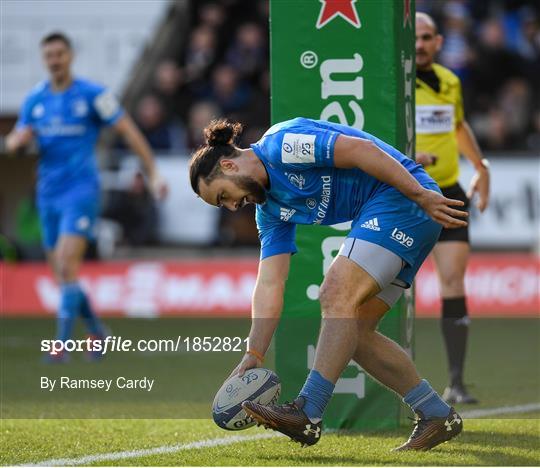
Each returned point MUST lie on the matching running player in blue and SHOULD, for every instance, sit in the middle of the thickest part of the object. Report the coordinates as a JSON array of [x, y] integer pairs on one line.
[[306, 171], [65, 115]]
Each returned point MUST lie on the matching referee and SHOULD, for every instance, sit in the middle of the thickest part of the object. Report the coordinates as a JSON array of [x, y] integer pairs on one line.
[[442, 134]]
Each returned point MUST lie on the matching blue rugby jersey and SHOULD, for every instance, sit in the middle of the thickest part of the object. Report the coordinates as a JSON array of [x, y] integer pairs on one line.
[[306, 187], [66, 125]]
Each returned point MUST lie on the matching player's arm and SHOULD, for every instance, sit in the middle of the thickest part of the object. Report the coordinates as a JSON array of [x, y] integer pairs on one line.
[[468, 146], [351, 152], [266, 308], [18, 138], [22, 134], [138, 144]]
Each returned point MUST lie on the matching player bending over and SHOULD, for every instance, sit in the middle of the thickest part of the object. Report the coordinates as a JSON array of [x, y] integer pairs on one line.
[[65, 115], [306, 171]]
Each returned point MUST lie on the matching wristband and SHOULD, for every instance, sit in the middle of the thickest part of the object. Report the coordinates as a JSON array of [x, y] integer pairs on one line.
[[484, 163], [258, 355]]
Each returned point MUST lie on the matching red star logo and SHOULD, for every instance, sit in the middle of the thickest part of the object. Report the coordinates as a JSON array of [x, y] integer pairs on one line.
[[332, 8], [407, 13]]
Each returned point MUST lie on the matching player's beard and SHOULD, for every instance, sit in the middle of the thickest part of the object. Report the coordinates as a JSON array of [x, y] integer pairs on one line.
[[255, 190]]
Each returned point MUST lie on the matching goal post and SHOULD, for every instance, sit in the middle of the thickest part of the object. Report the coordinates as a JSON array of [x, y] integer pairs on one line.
[[350, 62]]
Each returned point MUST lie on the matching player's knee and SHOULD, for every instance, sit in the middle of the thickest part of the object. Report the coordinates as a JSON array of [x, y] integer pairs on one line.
[[65, 270], [325, 298], [336, 302], [332, 302], [453, 280]]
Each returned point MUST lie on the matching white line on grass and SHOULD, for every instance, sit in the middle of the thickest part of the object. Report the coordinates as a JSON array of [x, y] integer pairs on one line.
[[482, 413], [86, 460]]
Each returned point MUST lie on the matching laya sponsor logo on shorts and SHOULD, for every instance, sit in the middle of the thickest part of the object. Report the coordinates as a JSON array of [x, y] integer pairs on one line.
[[402, 238], [298, 148]]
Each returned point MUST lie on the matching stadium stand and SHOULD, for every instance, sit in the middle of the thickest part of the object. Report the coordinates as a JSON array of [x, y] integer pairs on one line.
[[209, 59]]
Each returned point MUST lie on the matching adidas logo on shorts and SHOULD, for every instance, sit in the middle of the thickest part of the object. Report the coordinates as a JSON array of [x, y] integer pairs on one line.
[[372, 224]]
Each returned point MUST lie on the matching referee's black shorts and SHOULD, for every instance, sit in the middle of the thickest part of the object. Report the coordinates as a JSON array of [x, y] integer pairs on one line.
[[462, 233]]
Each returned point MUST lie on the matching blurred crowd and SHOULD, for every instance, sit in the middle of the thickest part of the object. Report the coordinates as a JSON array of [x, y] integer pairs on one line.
[[221, 72], [494, 47]]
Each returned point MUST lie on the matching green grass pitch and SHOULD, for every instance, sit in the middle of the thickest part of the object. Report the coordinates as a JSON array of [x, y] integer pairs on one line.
[[502, 371]]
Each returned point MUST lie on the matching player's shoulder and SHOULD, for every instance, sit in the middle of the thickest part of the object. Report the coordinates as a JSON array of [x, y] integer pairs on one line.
[[277, 132], [446, 74], [289, 125], [38, 90], [89, 87], [272, 139], [271, 144]]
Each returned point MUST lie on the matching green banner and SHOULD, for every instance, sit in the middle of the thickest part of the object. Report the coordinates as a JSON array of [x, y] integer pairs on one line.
[[350, 62]]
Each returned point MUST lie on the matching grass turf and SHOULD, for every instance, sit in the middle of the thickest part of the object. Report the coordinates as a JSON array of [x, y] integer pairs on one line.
[[503, 369], [503, 442]]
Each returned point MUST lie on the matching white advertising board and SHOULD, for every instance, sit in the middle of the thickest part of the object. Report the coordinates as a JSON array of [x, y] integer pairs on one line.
[[108, 37], [513, 217]]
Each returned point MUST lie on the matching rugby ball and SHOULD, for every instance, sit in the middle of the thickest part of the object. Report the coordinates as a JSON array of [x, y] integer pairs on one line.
[[260, 385]]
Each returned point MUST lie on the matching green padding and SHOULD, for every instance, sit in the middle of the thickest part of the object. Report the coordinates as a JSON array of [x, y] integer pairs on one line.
[[352, 63]]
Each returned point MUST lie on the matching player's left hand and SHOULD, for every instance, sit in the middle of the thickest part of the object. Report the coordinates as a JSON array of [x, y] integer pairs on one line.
[[158, 186], [480, 184], [439, 208]]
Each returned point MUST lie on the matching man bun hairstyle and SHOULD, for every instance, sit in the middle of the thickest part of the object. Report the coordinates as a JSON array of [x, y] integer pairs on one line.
[[220, 136], [221, 132]]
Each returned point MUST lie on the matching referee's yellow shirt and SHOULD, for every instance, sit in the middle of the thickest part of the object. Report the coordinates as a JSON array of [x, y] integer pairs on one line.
[[437, 115]]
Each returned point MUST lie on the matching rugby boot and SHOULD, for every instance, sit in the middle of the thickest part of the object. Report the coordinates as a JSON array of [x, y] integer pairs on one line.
[[458, 394], [429, 433], [289, 419]]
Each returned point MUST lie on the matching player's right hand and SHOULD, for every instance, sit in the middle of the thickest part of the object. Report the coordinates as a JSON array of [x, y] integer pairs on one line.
[[248, 362], [426, 159], [439, 208]]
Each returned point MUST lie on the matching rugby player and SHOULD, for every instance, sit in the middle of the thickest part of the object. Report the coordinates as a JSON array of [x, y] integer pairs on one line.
[[306, 171], [65, 114], [441, 135]]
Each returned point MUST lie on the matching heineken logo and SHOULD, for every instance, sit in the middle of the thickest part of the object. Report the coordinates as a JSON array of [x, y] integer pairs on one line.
[[407, 17], [408, 77], [341, 81], [331, 9]]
